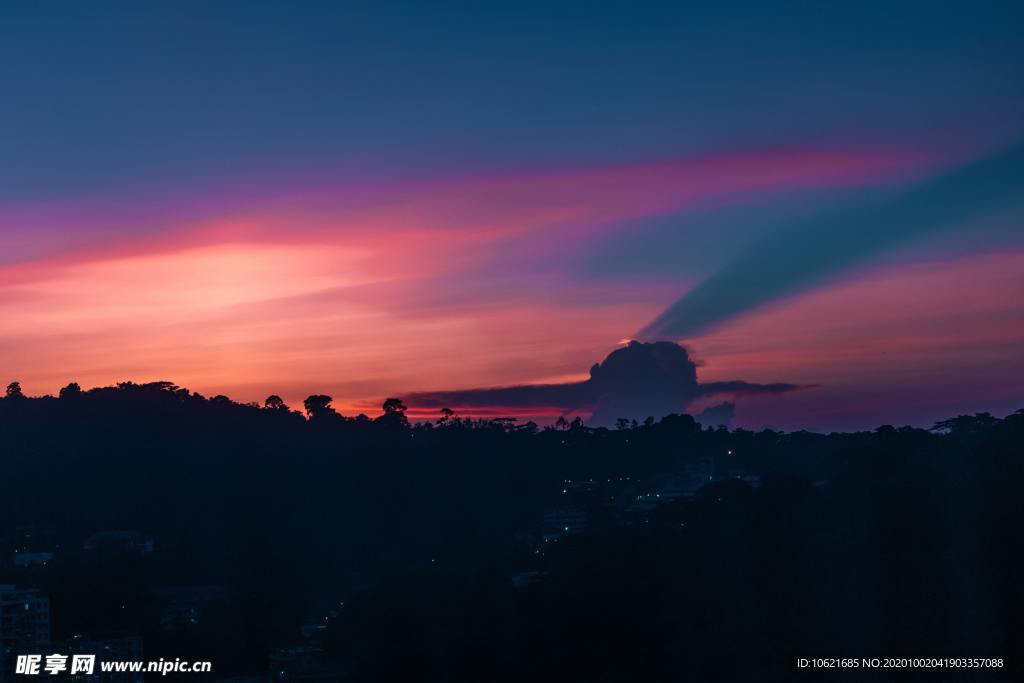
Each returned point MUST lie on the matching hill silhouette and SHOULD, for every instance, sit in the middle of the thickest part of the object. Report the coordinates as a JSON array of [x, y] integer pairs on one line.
[[467, 550]]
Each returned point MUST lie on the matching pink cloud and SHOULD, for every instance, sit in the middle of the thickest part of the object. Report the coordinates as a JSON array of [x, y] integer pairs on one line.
[[912, 342], [359, 291]]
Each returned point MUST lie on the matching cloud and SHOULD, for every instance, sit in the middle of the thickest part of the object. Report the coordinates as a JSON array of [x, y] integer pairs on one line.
[[355, 287], [633, 382], [720, 415], [822, 247]]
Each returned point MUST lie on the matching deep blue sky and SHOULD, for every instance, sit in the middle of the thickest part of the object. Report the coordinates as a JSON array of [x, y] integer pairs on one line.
[[107, 94]]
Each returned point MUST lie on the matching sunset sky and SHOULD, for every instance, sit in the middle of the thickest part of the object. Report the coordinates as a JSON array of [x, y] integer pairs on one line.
[[365, 201]]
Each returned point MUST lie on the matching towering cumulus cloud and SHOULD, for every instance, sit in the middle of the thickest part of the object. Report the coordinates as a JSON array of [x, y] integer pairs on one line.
[[634, 382], [820, 248]]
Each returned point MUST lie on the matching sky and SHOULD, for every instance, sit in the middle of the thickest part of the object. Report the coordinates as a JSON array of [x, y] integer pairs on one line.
[[370, 200]]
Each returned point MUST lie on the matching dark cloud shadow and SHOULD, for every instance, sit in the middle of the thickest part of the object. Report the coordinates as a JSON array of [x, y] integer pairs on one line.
[[825, 246]]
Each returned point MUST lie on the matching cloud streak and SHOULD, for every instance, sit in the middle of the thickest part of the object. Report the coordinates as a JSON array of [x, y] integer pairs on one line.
[[820, 248]]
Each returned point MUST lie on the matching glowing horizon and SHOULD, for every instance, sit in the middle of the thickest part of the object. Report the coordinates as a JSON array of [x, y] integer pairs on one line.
[[366, 298], [370, 202]]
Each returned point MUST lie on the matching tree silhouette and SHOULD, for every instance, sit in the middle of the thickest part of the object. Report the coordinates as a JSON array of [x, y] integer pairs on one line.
[[394, 413], [14, 390], [72, 390], [966, 424], [394, 406], [275, 402], [318, 406]]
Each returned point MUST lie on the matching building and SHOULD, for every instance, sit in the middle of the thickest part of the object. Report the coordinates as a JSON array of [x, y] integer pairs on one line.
[[115, 543], [563, 520], [32, 559], [307, 664], [178, 615], [182, 606], [24, 626], [528, 578], [112, 648]]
